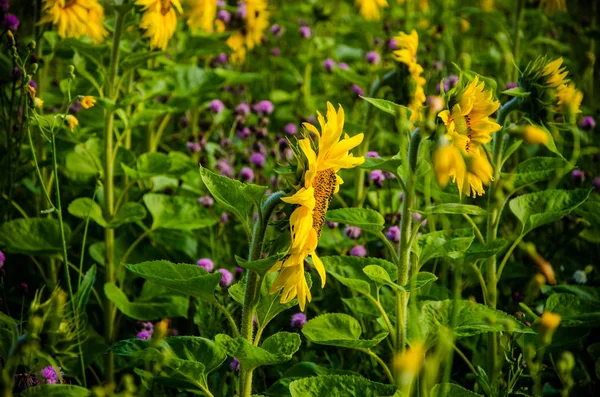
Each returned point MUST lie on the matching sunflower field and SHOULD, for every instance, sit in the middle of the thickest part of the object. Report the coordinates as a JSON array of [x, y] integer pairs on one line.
[[299, 198]]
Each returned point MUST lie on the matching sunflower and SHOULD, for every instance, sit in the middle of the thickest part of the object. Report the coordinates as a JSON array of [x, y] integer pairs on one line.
[[555, 74], [159, 20], [254, 21], [76, 18], [370, 9], [202, 14], [408, 45], [320, 182], [569, 100]]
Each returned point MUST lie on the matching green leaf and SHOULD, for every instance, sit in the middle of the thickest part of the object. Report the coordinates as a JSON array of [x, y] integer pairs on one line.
[[385, 105], [478, 251], [517, 91], [380, 276], [134, 60], [540, 208], [471, 319], [536, 169], [56, 391], [260, 266], [177, 212], [128, 213], [582, 291], [180, 240], [9, 334], [158, 308], [348, 271], [32, 236], [443, 243], [419, 281], [338, 329], [454, 209], [276, 349], [574, 311], [195, 348], [366, 219], [149, 165], [389, 164], [451, 390], [339, 386], [235, 196], [183, 278], [82, 295], [82, 207]]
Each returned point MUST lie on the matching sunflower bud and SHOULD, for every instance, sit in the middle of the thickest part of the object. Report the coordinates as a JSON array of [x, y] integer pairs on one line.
[[533, 135], [549, 322]]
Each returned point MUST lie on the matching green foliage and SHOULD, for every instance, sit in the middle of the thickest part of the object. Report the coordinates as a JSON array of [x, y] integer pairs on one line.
[[338, 329], [33, 236], [366, 219], [276, 349], [338, 386], [154, 308], [57, 391], [177, 212]]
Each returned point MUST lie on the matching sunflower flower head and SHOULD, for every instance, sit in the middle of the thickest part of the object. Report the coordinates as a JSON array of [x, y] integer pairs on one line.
[[371, 9], [324, 158], [71, 122], [252, 19], [159, 21], [76, 18], [406, 53], [202, 15], [87, 102]]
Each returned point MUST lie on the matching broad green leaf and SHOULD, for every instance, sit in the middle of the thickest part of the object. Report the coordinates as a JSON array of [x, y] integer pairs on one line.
[[158, 308], [195, 348], [419, 281], [389, 164], [454, 209], [517, 91], [574, 311], [32, 236], [338, 329], [536, 169], [339, 386], [444, 243], [128, 213], [134, 347], [236, 291], [180, 240], [260, 266], [236, 197], [276, 349], [380, 276], [366, 219], [582, 291], [451, 390], [82, 295], [182, 278], [478, 251], [348, 271], [84, 207], [56, 391], [176, 212], [8, 334], [362, 306], [149, 165], [540, 208], [385, 105], [135, 60], [471, 319]]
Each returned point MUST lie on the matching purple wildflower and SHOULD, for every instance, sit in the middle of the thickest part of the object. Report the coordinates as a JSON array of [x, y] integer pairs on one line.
[[258, 159], [193, 147], [393, 234], [235, 365], [224, 217], [11, 22], [510, 85], [357, 90], [226, 278], [587, 123], [392, 44], [359, 251], [305, 32], [373, 57], [2, 259], [276, 30], [241, 10], [578, 176], [332, 225], [207, 264], [329, 64], [221, 59], [372, 154], [352, 232], [206, 201], [377, 177], [50, 375], [224, 168], [596, 183], [264, 107], [290, 129], [343, 66], [216, 106], [246, 174], [145, 334], [224, 16], [243, 109], [244, 133], [298, 320]]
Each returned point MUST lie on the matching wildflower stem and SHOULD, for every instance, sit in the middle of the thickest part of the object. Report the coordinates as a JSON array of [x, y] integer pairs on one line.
[[109, 196], [404, 246], [516, 38], [386, 369], [253, 283]]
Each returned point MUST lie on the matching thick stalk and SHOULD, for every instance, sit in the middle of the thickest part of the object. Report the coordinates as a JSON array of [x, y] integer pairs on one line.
[[404, 246], [109, 196], [253, 284], [492, 231]]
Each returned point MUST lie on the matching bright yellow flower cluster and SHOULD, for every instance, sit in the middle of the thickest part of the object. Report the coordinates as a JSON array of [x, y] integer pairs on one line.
[[312, 200], [569, 98], [408, 45], [371, 9], [202, 14], [255, 23], [468, 128], [159, 21], [76, 18]]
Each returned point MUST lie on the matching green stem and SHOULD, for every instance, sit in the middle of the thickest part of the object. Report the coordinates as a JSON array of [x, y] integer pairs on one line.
[[109, 196], [386, 369], [404, 248], [61, 227], [492, 231], [475, 229], [388, 323], [230, 319], [253, 284], [507, 255], [516, 38]]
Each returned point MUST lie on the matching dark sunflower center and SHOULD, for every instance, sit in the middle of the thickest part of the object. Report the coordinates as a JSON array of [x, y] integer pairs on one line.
[[165, 6], [324, 185]]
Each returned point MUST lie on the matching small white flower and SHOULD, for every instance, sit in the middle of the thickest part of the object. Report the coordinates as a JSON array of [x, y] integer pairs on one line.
[[580, 277]]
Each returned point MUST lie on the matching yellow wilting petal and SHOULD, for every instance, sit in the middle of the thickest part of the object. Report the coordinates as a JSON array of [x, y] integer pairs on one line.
[[320, 268]]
